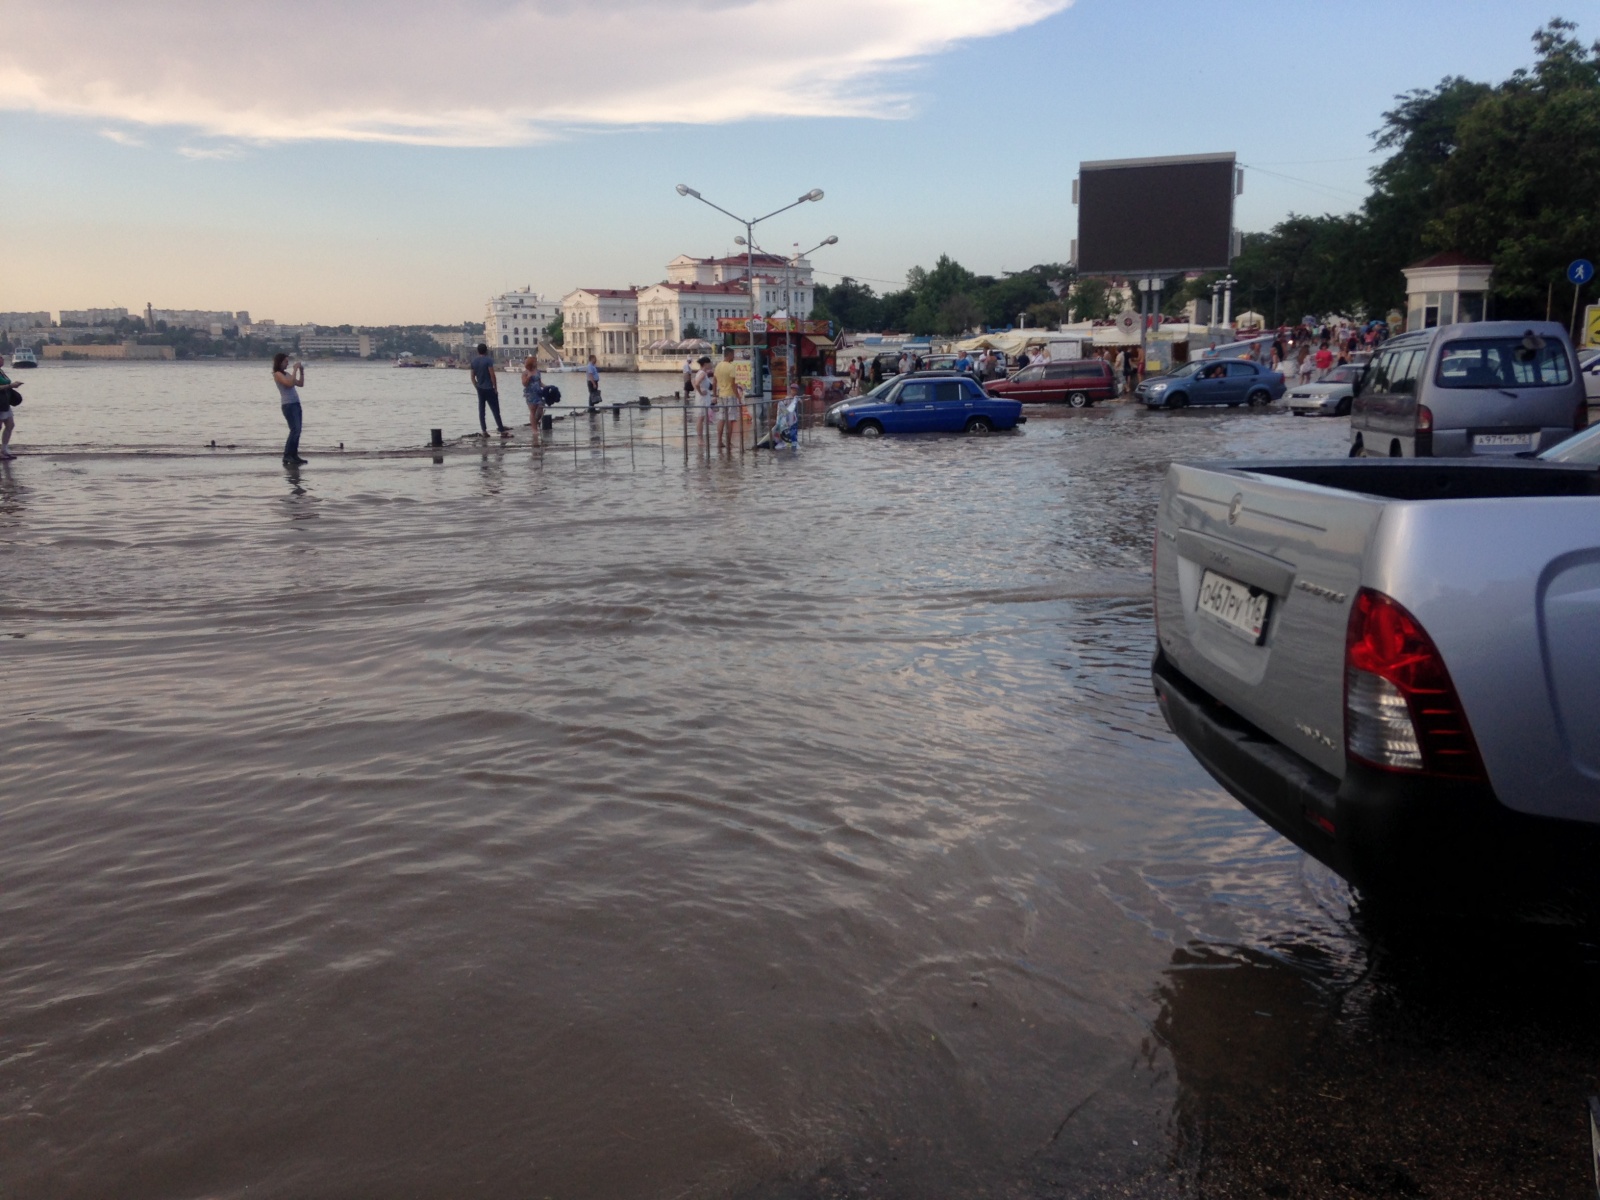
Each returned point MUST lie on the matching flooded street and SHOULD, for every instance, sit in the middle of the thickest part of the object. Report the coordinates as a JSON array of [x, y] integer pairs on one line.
[[572, 826]]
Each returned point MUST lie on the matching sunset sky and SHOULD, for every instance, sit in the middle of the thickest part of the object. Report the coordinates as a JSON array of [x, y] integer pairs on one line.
[[401, 161]]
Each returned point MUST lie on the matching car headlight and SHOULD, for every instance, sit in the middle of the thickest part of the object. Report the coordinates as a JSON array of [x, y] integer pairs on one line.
[[1156, 387]]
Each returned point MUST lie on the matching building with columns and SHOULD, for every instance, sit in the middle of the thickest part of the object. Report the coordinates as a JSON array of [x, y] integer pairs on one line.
[[603, 322]]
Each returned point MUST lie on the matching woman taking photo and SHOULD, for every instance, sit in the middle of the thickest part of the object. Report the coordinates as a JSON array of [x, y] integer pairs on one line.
[[533, 393], [289, 385]]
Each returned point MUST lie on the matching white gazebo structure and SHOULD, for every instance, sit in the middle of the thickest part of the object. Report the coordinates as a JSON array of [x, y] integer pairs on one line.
[[1446, 289]]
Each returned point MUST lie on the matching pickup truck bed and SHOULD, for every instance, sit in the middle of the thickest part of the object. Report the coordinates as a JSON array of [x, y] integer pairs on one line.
[[1472, 751]]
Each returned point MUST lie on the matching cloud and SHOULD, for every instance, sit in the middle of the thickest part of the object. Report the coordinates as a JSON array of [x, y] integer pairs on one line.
[[478, 72], [224, 151], [122, 137]]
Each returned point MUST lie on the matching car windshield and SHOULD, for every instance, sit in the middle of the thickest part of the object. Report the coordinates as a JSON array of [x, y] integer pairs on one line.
[[1183, 372], [879, 392], [1345, 374], [1579, 448], [1503, 362]]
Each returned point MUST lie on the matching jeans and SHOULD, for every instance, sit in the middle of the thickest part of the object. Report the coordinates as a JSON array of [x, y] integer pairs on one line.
[[492, 399], [291, 448]]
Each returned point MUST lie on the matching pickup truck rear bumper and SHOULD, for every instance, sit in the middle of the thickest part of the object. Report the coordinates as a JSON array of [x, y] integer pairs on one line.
[[1384, 831]]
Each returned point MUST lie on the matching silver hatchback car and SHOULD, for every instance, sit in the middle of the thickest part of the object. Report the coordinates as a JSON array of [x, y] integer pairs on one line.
[[1484, 387]]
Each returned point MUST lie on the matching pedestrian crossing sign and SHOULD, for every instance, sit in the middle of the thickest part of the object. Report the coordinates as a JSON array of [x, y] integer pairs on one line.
[[1591, 325]]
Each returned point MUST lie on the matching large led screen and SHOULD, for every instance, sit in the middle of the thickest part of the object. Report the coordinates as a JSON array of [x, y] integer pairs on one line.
[[1155, 214]]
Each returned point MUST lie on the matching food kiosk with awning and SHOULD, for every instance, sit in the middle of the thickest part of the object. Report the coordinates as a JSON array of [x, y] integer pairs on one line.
[[783, 343]]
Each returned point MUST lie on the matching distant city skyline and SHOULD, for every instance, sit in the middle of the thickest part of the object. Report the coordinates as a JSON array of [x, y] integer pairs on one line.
[[313, 174]]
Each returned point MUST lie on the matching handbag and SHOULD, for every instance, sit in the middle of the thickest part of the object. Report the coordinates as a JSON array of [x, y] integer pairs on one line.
[[10, 397]]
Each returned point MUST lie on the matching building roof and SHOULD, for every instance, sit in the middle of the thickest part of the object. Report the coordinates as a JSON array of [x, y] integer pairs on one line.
[[740, 260], [706, 289], [1449, 258], [610, 293]]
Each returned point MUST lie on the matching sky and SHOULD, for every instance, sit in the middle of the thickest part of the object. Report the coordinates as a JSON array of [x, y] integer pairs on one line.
[[395, 161]]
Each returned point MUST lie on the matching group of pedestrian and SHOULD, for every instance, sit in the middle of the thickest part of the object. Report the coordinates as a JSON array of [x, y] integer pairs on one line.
[[719, 398]]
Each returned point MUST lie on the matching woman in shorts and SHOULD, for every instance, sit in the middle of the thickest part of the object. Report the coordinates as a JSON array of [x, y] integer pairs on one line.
[[533, 393], [705, 390]]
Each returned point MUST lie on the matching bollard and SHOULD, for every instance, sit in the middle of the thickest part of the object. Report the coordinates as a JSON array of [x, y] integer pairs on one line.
[[438, 438], [547, 422], [616, 412], [644, 401]]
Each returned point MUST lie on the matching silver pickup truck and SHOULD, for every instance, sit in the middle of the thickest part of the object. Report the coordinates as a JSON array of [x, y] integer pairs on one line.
[[1395, 663]]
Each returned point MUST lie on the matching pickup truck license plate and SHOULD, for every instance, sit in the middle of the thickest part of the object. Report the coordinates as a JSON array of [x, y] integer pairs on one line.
[[1502, 441], [1241, 608]]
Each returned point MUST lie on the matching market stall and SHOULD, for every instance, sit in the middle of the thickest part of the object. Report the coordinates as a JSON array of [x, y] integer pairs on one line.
[[781, 348]]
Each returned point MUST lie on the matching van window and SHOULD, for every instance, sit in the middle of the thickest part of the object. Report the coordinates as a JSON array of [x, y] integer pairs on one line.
[[1503, 362], [1403, 371]]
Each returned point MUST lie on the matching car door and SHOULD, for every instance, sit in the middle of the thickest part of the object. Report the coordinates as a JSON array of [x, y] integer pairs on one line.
[[1237, 383], [913, 408], [952, 405], [1056, 382], [1027, 384], [1210, 384]]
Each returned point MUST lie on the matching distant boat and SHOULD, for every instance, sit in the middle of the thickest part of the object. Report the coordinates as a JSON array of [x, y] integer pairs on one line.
[[23, 357]]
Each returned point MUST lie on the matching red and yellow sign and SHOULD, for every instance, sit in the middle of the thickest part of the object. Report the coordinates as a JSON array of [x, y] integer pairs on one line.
[[775, 325]]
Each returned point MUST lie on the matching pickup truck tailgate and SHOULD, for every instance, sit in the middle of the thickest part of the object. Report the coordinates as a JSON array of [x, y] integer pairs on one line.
[[1254, 578]]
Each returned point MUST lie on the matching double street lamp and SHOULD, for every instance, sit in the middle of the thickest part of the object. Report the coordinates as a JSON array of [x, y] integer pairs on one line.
[[749, 226]]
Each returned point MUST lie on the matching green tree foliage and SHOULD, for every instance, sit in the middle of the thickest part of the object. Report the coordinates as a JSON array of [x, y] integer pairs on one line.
[[1522, 187], [1091, 300], [555, 331], [1508, 172], [948, 299]]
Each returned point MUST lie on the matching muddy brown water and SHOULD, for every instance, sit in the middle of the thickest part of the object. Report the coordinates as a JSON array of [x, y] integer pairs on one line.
[[768, 826]]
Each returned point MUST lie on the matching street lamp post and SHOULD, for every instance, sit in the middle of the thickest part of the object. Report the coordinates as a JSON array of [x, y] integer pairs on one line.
[[749, 224]]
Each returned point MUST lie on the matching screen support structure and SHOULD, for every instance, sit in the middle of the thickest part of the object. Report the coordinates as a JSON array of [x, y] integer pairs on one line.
[[1149, 302]]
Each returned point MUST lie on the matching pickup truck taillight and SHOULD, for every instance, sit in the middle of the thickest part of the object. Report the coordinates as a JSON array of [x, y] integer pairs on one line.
[[1424, 419], [1401, 711]]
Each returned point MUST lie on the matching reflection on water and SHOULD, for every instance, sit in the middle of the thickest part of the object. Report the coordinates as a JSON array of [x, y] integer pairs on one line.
[[519, 825]]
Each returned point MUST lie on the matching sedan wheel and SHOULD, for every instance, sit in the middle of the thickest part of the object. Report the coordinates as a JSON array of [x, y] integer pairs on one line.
[[870, 429], [979, 426], [1078, 400], [1260, 399], [1344, 408], [1178, 401]]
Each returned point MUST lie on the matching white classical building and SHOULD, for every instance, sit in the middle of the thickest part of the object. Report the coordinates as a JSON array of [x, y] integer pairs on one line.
[[515, 322], [603, 322], [671, 312]]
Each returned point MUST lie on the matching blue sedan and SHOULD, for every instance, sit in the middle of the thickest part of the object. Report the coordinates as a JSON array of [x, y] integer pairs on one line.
[[931, 402], [1227, 381]]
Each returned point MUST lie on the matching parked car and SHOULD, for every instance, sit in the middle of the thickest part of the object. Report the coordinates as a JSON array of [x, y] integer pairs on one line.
[[1079, 382], [1589, 368], [1485, 387], [925, 402], [1229, 381], [1329, 396], [1392, 662]]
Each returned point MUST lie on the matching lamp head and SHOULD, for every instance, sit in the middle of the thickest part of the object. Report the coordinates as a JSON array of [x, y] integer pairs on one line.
[[685, 190], [831, 241], [813, 194], [739, 241]]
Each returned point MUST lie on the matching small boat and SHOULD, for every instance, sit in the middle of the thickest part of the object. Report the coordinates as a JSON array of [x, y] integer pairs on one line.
[[23, 357]]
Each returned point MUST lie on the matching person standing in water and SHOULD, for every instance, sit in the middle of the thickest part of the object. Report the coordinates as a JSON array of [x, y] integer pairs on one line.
[[289, 385], [533, 393], [592, 372], [488, 385]]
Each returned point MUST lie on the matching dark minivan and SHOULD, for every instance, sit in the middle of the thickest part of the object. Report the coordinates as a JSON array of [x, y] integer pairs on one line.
[[1078, 382], [1484, 387]]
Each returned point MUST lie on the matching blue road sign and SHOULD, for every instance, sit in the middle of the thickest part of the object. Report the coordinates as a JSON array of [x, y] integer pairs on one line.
[[1580, 271]]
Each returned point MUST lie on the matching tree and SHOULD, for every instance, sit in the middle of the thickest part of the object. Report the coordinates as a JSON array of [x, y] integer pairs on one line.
[[849, 305], [691, 330], [957, 314], [555, 331], [1090, 300], [1520, 188]]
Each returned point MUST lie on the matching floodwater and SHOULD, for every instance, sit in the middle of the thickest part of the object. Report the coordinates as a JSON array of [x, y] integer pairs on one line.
[[800, 825]]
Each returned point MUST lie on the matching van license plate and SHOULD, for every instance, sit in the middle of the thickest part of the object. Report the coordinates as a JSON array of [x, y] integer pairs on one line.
[[1502, 441], [1241, 608]]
